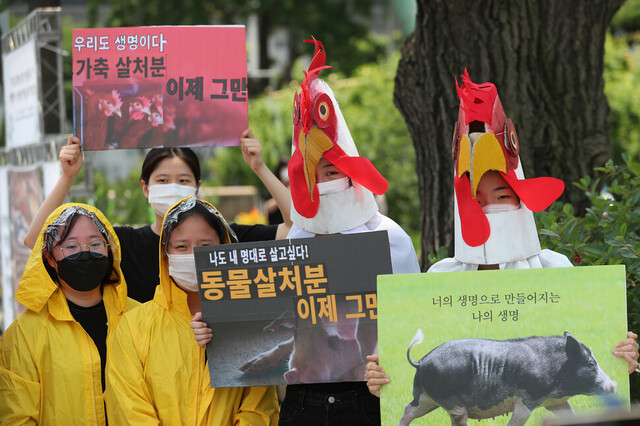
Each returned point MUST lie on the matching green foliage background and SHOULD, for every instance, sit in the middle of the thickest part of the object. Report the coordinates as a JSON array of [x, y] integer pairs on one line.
[[608, 234], [622, 78]]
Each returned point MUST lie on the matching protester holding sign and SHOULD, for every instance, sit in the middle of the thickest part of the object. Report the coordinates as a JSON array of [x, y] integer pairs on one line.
[[332, 190], [494, 224], [156, 371], [168, 175], [52, 357]]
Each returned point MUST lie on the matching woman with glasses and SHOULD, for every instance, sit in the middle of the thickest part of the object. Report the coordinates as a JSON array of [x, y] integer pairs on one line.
[[52, 357]]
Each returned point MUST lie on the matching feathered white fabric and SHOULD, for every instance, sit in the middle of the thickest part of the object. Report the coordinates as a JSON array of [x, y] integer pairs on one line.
[[544, 259], [403, 255], [338, 211]]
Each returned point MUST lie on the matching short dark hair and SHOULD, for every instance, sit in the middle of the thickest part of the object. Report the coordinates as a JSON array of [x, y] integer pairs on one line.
[[156, 155]]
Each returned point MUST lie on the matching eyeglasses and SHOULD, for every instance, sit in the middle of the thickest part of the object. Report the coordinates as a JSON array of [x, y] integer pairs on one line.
[[72, 250]]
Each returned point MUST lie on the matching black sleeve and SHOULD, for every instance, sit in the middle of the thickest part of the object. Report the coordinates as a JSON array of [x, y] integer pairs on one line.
[[140, 263], [247, 233], [124, 234]]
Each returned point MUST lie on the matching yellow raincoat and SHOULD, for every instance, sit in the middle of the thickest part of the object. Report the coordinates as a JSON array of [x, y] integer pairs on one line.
[[49, 366], [156, 372]]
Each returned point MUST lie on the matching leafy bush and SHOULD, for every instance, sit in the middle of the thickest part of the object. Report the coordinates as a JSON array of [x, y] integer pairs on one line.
[[621, 76], [628, 17], [122, 200], [608, 234]]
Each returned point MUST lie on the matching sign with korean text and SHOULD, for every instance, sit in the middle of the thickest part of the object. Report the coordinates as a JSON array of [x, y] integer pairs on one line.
[[500, 345], [142, 87], [291, 311]]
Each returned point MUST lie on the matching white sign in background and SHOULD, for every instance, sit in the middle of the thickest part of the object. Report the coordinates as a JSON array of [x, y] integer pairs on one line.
[[23, 109]]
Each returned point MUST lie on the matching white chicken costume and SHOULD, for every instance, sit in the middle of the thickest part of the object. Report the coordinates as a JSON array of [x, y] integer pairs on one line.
[[484, 140], [321, 131]]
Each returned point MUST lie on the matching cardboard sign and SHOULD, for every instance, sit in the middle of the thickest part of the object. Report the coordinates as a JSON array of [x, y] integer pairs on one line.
[[587, 302], [142, 87], [291, 311]]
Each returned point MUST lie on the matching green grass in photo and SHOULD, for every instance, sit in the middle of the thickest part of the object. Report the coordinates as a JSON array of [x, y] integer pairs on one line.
[[589, 302]]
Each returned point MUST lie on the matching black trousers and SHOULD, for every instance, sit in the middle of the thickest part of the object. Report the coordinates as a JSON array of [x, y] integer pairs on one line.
[[356, 407]]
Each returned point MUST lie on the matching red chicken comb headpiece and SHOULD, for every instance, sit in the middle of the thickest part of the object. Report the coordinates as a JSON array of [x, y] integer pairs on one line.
[[493, 146], [320, 131], [316, 65]]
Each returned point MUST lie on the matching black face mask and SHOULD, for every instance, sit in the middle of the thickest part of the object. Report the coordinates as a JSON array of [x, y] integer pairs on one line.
[[85, 272]]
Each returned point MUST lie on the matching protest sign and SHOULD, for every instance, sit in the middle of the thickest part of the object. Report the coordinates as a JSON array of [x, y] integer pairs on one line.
[[588, 302], [291, 311], [142, 87]]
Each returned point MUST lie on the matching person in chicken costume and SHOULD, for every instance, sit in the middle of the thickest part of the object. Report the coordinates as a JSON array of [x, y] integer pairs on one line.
[[493, 205], [323, 150], [332, 192], [494, 225]]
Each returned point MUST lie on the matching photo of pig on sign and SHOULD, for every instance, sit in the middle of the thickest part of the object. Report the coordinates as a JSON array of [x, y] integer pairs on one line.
[[291, 311], [505, 347]]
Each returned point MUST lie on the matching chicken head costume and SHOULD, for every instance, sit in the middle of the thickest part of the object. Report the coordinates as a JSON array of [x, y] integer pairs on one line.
[[485, 139], [321, 131]]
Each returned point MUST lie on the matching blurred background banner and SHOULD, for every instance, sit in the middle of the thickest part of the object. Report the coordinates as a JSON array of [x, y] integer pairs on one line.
[[142, 87], [22, 95]]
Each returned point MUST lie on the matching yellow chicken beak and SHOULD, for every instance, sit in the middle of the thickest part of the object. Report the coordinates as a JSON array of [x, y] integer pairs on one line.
[[312, 146], [479, 153]]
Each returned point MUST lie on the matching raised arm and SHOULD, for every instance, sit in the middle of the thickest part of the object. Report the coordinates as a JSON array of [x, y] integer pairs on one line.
[[71, 163], [252, 154]]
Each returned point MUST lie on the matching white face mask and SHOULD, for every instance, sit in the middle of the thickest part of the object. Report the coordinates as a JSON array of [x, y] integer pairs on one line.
[[332, 186], [182, 268], [162, 196], [499, 208]]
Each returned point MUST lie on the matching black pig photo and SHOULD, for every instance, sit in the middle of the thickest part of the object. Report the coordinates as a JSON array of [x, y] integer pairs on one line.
[[483, 378]]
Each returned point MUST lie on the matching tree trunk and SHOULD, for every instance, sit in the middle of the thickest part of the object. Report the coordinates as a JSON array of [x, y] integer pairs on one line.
[[546, 59]]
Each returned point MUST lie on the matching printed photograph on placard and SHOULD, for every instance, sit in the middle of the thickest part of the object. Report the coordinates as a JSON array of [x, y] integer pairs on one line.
[[500, 345], [143, 87], [291, 311]]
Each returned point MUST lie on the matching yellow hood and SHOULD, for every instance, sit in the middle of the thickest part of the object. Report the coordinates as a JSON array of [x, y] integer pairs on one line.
[[168, 294], [36, 288]]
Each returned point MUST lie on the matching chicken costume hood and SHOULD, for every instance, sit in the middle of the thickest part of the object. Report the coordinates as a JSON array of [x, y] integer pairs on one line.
[[485, 139], [321, 131]]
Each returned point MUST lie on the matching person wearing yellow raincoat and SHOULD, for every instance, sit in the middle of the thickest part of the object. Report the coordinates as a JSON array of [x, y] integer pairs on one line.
[[156, 372], [52, 356]]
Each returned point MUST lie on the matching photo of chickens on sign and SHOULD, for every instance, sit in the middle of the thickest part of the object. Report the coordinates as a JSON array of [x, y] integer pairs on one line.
[[143, 87]]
